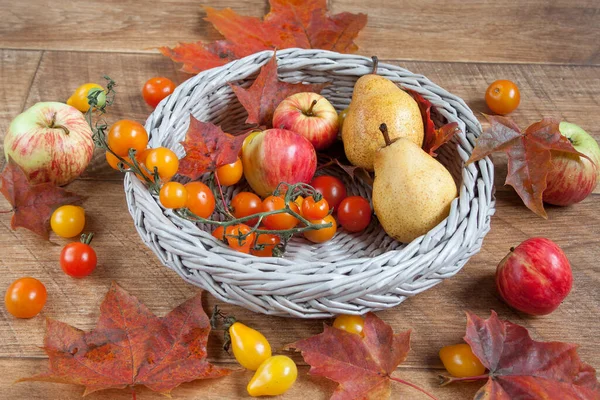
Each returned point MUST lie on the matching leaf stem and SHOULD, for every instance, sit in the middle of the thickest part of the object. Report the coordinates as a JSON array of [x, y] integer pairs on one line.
[[225, 208], [6, 211], [133, 394], [446, 380], [412, 385]]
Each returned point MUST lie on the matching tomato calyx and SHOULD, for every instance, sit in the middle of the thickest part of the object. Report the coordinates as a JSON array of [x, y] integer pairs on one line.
[[86, 238], [220, 320]]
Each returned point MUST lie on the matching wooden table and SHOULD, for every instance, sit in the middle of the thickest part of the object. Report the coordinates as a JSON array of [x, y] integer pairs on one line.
[[551, 49]]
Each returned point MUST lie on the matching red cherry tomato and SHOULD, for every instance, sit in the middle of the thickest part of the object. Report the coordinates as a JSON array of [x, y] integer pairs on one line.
[[156, 89], [312, 209], [332, 189], [354, 213], [78, 259]]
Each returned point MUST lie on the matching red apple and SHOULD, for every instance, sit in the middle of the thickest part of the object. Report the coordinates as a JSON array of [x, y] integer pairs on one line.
[[535, 277], [277, 155], [572, 178], [310, 115], [51, 142]]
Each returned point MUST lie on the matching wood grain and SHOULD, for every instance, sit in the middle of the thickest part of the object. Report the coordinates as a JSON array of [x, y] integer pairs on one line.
[[537, 31]]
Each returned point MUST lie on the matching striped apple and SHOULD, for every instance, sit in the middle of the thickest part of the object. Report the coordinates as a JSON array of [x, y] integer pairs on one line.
[[51, 142], [277, 155]]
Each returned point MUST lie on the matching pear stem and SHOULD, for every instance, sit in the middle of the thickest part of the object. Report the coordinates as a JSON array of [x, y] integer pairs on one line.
[[386, 136], [309, 112], [375, 64]]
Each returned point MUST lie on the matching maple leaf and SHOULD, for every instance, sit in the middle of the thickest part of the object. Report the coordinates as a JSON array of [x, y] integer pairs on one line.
[[522, 368], [32, 204], [131, 346], [361, 366], [207, 147], [290, 23], [262, 98], [529, 155], [433, 138]]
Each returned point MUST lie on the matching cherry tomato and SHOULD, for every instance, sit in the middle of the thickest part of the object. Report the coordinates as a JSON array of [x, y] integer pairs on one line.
[[68, 221], [165, 161], [460, 361], [267, 242], [281, 221], [249, 346], [200, 199], [324, 234], [231, 236], [78, 259], [274, 377], [502, 97], [113, 161], [312, 209], [354, 213], [230, 174], [350, 323], [245, 204], [124, 135], [79, 99], [156, 89], [331, 188], [25, 297], [299, 200], [173, 195]]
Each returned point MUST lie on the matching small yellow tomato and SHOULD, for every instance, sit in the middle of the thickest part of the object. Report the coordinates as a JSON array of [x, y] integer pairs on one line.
[[79, 99], [249, 346], [68, 221], [460, 361], [165, 161], [274, 377], [230, 174], [173, 195], [350, 323]]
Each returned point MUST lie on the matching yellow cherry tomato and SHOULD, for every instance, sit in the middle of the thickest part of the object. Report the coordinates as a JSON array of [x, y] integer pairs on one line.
[[274, 377], [79, 99], [165, 161], [350, 323], [250, 347], [460, 361], [68, 221], [230, 174]]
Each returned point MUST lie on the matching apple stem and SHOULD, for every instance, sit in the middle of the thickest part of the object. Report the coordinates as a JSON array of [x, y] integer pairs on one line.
[[412, 385], [512, 249], [309, 112], [54, 125], [375, 64], [386, 136]]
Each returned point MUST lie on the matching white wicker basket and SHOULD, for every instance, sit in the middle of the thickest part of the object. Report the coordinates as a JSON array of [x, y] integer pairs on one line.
[[352, 273]]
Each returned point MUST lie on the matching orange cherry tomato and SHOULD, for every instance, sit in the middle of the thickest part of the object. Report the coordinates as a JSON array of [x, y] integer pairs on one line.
[[124, 135], [299, 200], [281, 221], [230, 174], [324, 234], [165, 161], [200, 199], [231, 236], [245, 204], [173, 195], [460, 361], [502, 97], [350, 323], [156, 89], [265, 242], [25, 297], [312, 209]]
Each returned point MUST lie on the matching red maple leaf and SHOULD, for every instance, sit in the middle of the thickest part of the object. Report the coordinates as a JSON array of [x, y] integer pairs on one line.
[[32, 204], [361, 365], [262, 98], [290, 23], [433, 138], [207, 147], [131, 346], [529, 155], [521, 368]]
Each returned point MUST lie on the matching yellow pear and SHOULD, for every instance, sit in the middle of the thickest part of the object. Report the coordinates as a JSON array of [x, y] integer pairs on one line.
[[412, 191], [375, 100]]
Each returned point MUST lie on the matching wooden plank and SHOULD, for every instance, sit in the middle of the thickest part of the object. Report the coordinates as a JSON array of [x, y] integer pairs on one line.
[[229, 387], [17, 69], [539, 31]]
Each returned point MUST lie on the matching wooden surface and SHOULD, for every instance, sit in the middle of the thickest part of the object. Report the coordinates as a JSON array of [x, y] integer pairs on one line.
[[551, 49]]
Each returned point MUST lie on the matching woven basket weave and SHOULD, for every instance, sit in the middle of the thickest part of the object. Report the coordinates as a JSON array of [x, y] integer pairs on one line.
[[352, 273]]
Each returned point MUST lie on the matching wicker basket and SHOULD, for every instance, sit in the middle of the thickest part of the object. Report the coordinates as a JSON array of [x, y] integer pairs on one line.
[[352, 273]]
